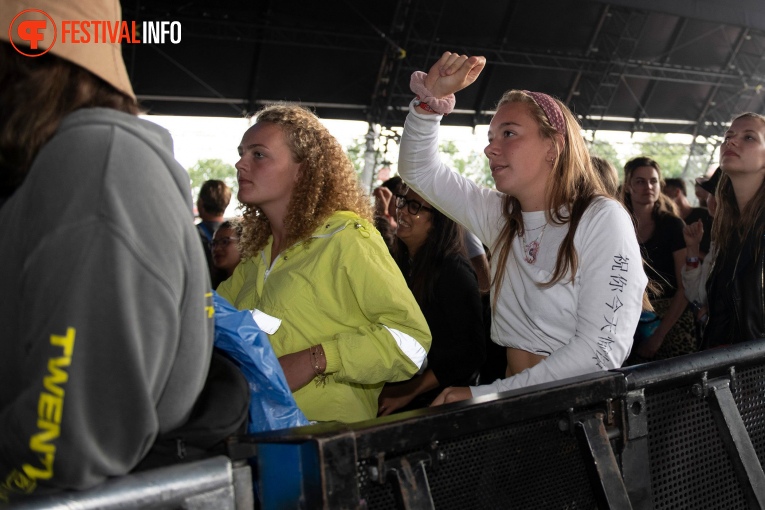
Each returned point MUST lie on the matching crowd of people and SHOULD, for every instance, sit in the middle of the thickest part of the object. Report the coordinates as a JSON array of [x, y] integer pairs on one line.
[[441, 291], [428, 216]]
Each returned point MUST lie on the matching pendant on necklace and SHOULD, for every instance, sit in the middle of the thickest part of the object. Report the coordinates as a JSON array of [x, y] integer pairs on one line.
[[531, 250]]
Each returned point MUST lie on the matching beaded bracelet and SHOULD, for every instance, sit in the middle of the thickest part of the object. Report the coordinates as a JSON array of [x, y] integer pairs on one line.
[[316, 355]]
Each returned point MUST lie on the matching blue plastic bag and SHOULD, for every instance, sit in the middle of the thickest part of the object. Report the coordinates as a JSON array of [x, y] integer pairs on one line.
[[272, 405]]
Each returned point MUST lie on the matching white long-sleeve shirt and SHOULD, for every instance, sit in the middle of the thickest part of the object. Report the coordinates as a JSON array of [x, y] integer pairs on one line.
[[695, 278], [581, 327]]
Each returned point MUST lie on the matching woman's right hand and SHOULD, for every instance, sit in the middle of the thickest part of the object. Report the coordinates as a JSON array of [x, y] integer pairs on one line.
[[452, 394], [452, 73], [383, 196], [393, 397]]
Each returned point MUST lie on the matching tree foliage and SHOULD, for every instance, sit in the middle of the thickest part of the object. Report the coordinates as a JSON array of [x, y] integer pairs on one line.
[[671, 157], [608, 152], [473, 165], [356, 152], [207, 169]]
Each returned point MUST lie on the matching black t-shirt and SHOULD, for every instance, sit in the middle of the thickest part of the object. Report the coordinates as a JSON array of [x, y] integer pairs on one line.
[[658, 253], [732, 289], [722, 327], [455, 316]]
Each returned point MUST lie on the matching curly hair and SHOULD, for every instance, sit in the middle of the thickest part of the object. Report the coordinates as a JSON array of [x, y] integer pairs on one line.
[[234, 224], [326, 180]]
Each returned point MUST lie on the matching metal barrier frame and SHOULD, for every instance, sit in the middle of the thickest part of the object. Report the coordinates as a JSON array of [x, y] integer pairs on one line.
[[213, 483], [608, 413], [706, 377], [614, 424], [316, 466]]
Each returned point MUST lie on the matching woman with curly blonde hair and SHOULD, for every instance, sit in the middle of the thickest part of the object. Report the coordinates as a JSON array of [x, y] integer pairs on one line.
[[317, 274]]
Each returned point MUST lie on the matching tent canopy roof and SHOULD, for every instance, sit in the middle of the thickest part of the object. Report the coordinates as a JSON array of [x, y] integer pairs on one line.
[[684, 66]]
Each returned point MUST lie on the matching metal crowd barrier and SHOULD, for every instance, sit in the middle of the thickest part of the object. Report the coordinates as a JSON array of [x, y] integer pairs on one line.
[[211, 483], [682, 433], [695, 428]]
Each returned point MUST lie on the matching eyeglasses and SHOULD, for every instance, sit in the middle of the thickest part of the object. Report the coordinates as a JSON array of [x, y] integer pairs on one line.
[[222, 242], [413, 206]]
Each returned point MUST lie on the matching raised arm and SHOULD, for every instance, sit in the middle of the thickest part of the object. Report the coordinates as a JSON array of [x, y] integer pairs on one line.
[[419, 164]]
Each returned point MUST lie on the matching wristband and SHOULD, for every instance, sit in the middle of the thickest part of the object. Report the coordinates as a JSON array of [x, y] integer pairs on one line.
[[692, 261], [443, 105], [423, 105]]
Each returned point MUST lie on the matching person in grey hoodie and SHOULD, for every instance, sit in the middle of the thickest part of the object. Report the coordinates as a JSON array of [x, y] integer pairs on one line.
[[106, 325]]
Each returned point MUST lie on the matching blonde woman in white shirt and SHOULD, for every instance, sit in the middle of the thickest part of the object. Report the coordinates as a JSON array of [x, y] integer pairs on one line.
[[567, 276]]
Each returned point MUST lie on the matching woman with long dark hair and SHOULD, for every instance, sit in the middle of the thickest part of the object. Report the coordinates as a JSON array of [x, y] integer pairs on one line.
[[735, 290], [429, 250], [671, 331]]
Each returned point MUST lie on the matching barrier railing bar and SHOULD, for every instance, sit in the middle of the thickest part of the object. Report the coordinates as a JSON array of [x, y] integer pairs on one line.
[[411, 481], [674, 371], [207, 482], [635, 457], [737, 441], [607, 484]]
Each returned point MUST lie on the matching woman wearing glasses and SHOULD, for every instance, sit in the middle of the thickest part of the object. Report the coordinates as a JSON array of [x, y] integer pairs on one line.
[[429, 250], [567, 278], [225, 246], [316, 272]]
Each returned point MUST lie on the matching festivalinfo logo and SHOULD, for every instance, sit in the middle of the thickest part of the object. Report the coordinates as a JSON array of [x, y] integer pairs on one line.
[[37, 28]]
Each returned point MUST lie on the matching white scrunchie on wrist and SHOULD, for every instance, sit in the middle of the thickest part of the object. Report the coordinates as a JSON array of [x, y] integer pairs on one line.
[[443, 105]]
